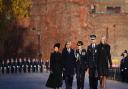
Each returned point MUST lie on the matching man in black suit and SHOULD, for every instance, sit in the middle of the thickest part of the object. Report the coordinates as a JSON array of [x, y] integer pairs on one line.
[[69, 64], [92, 62]]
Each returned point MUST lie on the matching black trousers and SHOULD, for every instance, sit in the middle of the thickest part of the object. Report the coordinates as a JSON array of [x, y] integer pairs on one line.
[[68, 81], [80, 79], [93, 80]]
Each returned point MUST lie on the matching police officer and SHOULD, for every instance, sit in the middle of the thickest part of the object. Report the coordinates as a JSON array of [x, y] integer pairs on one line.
[[36, 64], [81, 65], [24, 63], [92, 62], [69, 64], [7, 66], [47, 65], [124, 66], [29, 65], [20, 65], [16, 65], [12, 65], [3, 67], [33, 65], [41, 63], [0, 66]]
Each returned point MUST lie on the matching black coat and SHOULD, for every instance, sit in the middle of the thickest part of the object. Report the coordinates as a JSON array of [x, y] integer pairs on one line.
[[104, 57], [69, 62], [55, 77], [81, 60], [92, 54], [124, 64]]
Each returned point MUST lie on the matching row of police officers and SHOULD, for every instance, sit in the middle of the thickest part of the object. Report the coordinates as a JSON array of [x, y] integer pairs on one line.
[[63, 66], [124, 66], [22, 65]]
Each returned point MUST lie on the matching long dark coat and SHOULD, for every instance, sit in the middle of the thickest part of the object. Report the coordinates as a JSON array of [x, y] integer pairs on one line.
[[81, 67], [55, 78], [92, 54], [104, 57], [69, 62], [81, 61]]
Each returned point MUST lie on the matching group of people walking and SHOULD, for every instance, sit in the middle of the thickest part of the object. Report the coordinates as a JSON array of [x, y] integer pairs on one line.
[[95, 59]]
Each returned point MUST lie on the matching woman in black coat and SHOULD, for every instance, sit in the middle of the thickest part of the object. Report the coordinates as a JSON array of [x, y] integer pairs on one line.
[[55, 78], [104, 57]]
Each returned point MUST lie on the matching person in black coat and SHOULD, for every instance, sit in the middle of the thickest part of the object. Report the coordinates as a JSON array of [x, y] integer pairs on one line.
[[19, 65], [8, 64], [41, 63], [69, 64], [81, 65], [47, 65], [12, 65], [3, 66], [124, 66], [92, 52], [104, 57], [55, 78]]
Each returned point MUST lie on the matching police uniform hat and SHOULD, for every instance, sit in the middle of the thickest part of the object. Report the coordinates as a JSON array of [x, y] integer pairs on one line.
[[93, 37], [57, 45], [79, 43]]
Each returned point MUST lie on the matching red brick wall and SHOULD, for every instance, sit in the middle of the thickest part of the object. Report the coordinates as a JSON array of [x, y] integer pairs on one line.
[[62, 20]]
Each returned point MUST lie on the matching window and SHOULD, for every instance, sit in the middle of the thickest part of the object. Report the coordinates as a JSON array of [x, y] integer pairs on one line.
[[113, 10]]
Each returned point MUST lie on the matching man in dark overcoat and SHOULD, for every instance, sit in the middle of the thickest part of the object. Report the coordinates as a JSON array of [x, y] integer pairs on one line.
[[69, 64], [92, 62]]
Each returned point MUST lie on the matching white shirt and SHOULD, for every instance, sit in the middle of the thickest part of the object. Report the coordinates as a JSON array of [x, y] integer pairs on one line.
[[93, 45], [69, 50]]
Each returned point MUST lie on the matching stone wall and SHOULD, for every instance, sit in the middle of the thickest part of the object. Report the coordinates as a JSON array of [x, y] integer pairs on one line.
[[62, 20]]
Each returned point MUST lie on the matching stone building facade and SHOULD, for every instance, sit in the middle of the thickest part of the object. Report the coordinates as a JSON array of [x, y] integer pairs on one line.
[[61, 20]]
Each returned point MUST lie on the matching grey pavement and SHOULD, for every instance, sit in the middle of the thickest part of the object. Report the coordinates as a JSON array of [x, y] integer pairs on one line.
[[38, 80]]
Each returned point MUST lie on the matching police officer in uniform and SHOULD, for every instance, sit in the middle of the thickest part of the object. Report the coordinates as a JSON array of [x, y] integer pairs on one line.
[[41, 63], [3, 67], [0, 66], [24, 63], [29, 65], [92, 62], [81, 65], [20, 65], [33, 65], [36, 64], [7, 66], [12, 65], [47, 65], [124, 66], [16, 65]]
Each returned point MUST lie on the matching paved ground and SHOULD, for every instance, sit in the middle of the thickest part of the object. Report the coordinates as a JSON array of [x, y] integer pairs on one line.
[[38, 80]]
